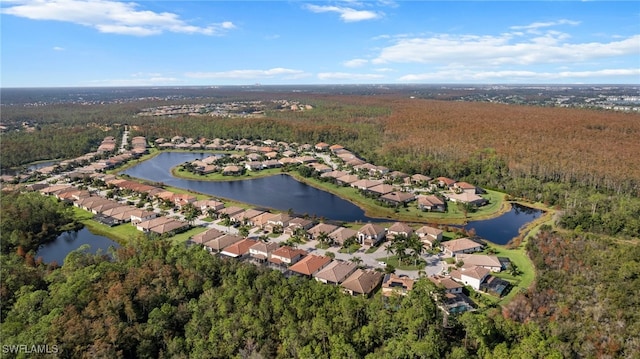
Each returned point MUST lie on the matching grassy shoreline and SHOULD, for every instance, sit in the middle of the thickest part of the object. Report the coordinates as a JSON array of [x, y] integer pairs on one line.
[[497, 206]]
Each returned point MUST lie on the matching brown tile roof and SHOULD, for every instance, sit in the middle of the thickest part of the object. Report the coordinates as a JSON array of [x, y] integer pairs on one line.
[[394, 282], [239, 248], [362, 282], [371, 229], [310, 264], [336, 271], [207, 235], [223, 241], [288, 252], [430, 231], [398, 197], [445, 282], [482, 260], [400, 227], [461, 244], [321, 228]]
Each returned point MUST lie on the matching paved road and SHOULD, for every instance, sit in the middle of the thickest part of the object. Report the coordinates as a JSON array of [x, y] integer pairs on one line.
[[125, 140]]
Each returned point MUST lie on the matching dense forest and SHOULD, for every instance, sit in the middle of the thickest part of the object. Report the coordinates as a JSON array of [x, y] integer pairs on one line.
[[157, 299], [153, 299]]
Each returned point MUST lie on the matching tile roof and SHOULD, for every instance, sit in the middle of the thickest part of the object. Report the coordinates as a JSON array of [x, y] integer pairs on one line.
[[336, 271], [310, 264], [362, 282]]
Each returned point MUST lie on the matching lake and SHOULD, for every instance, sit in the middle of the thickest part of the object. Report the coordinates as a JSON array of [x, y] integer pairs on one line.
[[280, 192], [501, 230], [72, 240]]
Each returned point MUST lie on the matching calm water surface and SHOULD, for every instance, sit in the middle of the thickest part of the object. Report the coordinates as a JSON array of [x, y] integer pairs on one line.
[[501, 230], [72, 240], [280, 192]]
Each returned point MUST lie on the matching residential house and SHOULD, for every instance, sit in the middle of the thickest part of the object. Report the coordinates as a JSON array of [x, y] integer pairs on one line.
[[461, 245], [239, 249], [492, 263], [321, 146], [398, 198], [232, 170], [362, 282], [466, 197], [170, 227], [310, 265], [399, 228], [420, 179], [314, 232], [280, 220], [261, 219], [429, 235], [454, 300], [365, 184], [465, 187], [381, 189], [445, 182], [285, 256], [245, 217], [182, 199], [371, 234], [333, 174], [261, 251], [206, 236], [139, 215], [217, 244], [205, 205], [335, 272], [296, 224], [393, 284], [347, 180], [471, 276], [340, 235], [431, 203], [230, 211]]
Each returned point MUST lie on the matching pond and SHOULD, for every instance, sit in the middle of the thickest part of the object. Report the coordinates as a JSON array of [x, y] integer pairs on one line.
[[72, 240], [280, 192], [501, 230]]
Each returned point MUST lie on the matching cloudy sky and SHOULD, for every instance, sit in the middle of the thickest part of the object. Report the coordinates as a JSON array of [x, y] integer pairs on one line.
[[178, 43]]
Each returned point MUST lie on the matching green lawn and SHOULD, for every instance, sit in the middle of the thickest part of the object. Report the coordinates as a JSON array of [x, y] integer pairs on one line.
[[184, 236], [217, 176], [350, 250]]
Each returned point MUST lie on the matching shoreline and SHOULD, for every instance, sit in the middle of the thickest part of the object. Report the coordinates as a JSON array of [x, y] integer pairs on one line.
[[377, 212]]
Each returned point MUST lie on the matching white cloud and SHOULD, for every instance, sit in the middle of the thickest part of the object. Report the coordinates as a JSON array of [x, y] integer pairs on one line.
[[109, 16], [355, 63], [476, 50], [249, 74], [58, 48], [348, 76], [515, 76], [538, 25], [347, 14]]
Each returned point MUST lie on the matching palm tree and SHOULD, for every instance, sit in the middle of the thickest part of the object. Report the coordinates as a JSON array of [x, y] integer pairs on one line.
[[357, 260], [323, 238], [417, 248]]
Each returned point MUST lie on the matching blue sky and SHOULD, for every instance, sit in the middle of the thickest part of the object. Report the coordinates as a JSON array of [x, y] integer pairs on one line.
[[180, 43]]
